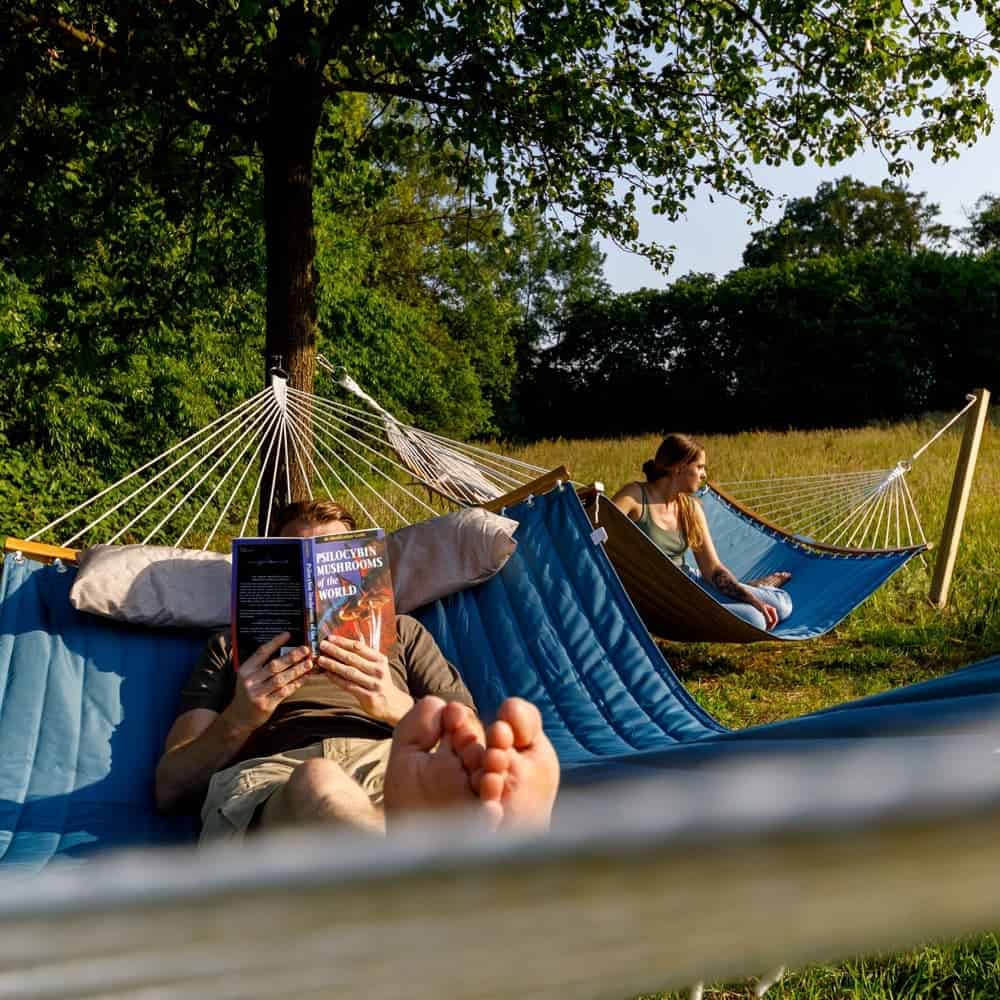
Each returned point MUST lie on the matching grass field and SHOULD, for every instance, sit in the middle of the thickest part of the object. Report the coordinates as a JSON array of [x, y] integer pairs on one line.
[[896, 638]]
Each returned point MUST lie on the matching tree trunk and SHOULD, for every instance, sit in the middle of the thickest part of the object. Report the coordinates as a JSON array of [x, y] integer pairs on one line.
[[289, 136]]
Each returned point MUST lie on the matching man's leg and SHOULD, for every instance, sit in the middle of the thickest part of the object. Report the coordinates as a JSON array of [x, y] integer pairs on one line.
[[320, 791]]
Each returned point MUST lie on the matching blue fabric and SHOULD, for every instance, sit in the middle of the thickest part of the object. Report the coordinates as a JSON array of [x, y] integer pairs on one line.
[[556, 626], [84, 707], [85, 703], [825, 587]]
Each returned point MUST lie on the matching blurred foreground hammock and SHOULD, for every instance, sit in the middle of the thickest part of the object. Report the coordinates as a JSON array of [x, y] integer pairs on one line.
[[717, 873]]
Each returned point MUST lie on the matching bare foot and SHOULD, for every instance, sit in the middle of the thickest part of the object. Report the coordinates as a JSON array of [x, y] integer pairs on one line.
[[434, 749], [520, 770], [776, 579]]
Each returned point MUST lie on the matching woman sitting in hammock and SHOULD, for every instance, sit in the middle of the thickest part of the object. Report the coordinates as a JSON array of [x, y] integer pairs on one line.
[[664, 508]]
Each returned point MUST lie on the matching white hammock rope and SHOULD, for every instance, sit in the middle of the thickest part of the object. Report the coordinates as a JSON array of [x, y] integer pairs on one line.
[[464, 472], [338, 436], [209, 484], [367, 457], [861, 510], [260, 398], [330, 445]]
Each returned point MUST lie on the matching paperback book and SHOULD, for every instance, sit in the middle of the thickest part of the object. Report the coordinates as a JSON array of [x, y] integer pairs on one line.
[[312, 588]]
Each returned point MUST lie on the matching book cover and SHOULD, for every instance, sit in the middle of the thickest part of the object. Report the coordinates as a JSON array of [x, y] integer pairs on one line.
[[353, 587], [271, 593], [311, 588]]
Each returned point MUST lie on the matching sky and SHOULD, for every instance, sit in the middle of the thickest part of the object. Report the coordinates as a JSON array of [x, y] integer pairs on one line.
[[711, 237]]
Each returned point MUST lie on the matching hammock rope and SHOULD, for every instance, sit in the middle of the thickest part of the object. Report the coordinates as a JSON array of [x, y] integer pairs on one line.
[[208, 485], [202, 486], [864, 510]]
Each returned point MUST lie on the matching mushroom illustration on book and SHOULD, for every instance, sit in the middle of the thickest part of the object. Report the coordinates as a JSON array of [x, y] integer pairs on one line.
[[312, 588], [353, 587]]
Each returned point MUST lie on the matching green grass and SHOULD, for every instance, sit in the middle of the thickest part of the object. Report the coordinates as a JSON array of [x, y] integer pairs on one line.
[[896, 638]]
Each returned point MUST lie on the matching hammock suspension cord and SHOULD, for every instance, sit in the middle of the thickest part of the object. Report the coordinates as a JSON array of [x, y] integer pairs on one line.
[[205, 485], [865, 510]]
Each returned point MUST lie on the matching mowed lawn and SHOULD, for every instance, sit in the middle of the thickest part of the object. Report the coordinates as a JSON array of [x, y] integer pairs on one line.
[[895, 638]]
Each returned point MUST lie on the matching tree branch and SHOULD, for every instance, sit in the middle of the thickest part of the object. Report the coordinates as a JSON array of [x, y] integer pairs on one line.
[[70, 31]]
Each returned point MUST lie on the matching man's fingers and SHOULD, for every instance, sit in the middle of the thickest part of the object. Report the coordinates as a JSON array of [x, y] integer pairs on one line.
[[294, 657], [265, 651], [354, 649], [365, 678]]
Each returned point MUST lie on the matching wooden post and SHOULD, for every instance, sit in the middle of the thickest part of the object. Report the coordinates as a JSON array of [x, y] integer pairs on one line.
[[960, 490]]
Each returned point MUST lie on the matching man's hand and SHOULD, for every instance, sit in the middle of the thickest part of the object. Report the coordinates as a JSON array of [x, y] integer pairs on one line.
[[364, 672], [264, 681]]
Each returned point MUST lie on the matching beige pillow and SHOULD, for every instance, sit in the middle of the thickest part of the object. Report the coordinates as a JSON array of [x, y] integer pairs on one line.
[[185, 588], [154, 585], [435, 558]]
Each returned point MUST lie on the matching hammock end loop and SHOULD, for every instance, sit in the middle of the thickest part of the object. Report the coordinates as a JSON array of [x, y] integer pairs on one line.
[[59, 565], [18, 557]]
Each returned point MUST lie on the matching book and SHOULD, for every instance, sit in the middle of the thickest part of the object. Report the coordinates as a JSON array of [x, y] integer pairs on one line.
[[312, 588]]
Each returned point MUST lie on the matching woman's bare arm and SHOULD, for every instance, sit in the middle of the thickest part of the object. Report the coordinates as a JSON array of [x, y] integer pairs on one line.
[[627, 500]]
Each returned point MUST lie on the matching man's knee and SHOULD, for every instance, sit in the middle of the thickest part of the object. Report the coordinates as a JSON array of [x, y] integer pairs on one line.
[[309, 788]]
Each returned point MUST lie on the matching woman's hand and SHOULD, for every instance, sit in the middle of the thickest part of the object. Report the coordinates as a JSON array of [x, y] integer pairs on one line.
[[770, 613], [364, 672]]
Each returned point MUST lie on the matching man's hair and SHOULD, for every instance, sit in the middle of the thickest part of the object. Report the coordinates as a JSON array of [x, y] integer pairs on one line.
[[312, 512]]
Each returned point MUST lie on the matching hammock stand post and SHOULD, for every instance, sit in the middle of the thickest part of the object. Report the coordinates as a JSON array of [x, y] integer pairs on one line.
[[960, 489]]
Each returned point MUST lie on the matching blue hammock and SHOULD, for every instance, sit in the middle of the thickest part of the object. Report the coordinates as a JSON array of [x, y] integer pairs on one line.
[[85, 703], [827, 583]]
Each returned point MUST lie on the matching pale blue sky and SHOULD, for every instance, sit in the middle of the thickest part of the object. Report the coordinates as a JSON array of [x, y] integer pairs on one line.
[[712, 236]]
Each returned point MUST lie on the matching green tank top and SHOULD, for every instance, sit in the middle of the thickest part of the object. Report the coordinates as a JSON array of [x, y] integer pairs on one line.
[[672, 543]]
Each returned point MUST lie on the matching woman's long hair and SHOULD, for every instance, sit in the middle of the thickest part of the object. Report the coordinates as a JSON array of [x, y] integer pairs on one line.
[[676, 451]]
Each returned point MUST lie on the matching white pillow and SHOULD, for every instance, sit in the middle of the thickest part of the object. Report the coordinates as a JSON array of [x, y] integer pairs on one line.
[[154, 585], [435, 558], [184, 588]]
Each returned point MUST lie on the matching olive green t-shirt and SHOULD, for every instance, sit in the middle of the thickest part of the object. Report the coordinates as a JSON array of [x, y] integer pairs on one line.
[[320, 709]]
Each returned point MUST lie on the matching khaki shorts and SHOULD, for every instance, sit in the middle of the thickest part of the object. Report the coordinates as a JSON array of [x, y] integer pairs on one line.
[[234, 794]]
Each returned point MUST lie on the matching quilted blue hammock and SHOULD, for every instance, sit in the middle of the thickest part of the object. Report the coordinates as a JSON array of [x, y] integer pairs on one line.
[[825, 587], [85, 703]]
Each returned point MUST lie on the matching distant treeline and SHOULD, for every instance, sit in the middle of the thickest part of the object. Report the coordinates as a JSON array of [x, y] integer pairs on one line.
[[868, 335]]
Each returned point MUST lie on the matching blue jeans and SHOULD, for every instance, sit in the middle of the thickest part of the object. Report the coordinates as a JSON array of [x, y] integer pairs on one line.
[[778, 598]]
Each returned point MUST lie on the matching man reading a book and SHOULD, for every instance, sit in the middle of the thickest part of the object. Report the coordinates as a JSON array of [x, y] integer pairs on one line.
[[352, 736]]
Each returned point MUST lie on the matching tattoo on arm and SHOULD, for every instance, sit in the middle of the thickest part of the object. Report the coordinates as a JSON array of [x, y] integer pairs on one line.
[[728, 584]]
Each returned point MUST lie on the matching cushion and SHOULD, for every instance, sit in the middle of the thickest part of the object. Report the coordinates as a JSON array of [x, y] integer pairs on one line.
[[158, 585], [154, 585], [432, 559]]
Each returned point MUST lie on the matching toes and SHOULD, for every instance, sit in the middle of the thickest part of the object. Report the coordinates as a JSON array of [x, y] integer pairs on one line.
[[523, 719], [491, 787], [455, 716], [423, 726], [495, 761], [500, 735], [471, 755]]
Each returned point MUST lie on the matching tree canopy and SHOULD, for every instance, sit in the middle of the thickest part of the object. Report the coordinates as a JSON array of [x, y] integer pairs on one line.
[[223, 113], [983, 231], [847, 215]]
